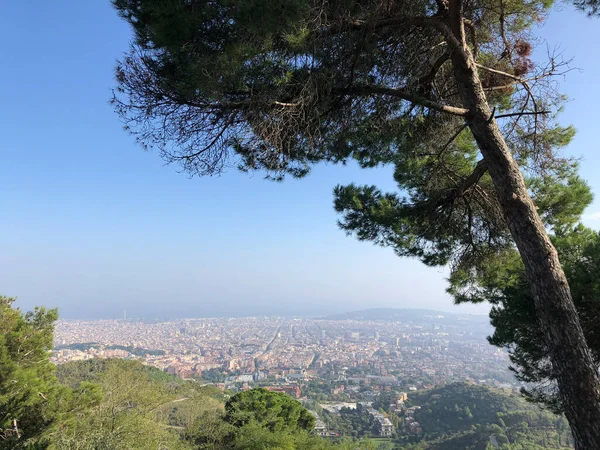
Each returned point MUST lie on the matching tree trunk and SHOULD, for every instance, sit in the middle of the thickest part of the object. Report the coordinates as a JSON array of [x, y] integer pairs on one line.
[[576, 373]]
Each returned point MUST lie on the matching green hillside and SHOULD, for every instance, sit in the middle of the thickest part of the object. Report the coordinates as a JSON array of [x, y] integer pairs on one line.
[[126, 405], [475, 417], [457, 416]]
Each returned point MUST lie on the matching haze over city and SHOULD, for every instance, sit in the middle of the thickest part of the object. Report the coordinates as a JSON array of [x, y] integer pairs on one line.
[[93, 225]]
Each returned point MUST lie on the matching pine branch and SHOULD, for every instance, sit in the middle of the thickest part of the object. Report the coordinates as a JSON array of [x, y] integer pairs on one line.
[[500, 72], [404, 95], [528, 113]]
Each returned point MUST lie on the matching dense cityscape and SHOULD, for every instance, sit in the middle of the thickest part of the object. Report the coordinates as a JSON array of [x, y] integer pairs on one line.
[[431, 349], [422, 350]]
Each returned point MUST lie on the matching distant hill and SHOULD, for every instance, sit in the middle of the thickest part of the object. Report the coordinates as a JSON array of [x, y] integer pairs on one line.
[[394, 314]]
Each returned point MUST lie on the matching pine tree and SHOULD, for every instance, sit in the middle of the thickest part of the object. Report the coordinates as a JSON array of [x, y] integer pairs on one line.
[[275, 411], [443, 90], [31, 400]]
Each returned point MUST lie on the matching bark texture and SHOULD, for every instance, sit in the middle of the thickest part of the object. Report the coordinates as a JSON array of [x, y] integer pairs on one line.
[[577, 375]]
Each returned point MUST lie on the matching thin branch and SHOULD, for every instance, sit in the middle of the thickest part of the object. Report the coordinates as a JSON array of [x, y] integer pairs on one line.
[[454, 136], [16, 428], [528, 113], [427, 80], [500, 72], [516, 121], [404, 95], [452, 194], [285, 104], [450, 38], [517, 79], [526, 86], [535, 108], [480, 169], [507, 49], [472, 32], [212, 142]]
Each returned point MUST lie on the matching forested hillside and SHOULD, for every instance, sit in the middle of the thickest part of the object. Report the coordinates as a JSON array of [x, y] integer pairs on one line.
[[456, 416], [474, 417]]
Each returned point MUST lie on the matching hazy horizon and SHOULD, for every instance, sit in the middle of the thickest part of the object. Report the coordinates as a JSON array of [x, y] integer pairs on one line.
[[185, 314]]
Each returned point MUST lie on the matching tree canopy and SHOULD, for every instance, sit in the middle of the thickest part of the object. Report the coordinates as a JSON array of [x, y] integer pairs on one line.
[[282, 85], [273, 410]]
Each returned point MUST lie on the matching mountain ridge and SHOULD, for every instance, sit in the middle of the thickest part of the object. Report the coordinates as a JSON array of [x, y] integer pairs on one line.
[[397, 314]]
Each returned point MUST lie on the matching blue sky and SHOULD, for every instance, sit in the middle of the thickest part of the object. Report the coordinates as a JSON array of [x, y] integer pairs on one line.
[[93, 225]]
